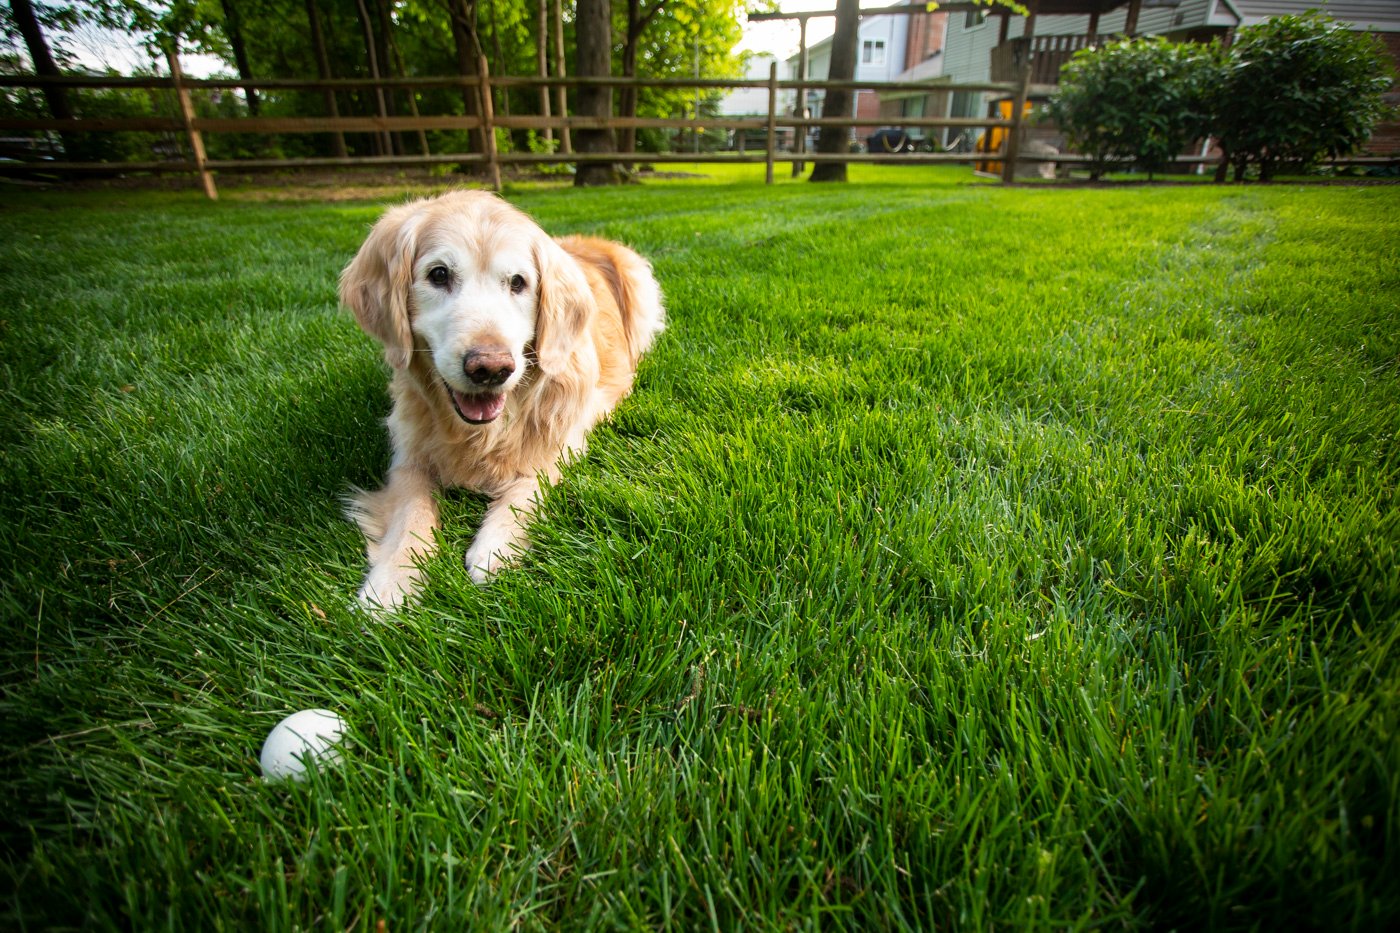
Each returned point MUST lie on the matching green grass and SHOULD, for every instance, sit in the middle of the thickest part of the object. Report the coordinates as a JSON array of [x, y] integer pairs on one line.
[[967, 557]]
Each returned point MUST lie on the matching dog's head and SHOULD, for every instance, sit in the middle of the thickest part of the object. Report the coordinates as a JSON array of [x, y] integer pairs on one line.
[[477, 286]]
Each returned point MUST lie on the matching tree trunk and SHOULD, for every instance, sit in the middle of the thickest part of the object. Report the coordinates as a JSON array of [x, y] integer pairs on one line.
[[22, 12], [462, 13], [593, 21], [627, 96], [323, 71], [835, 139], [381, 139], [233, 28], [499, 63], [561, 98], [542, 64], [385, 54], [637, 22]]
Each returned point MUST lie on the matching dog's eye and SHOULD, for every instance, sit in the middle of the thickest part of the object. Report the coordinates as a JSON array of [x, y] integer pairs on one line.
[[439, 276], [517, 283]]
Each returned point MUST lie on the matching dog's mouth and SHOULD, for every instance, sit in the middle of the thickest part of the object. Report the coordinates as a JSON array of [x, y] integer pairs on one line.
[[477, 407]]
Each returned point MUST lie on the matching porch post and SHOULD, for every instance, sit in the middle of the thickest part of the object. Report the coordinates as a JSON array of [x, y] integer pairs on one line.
[[1130, 24]]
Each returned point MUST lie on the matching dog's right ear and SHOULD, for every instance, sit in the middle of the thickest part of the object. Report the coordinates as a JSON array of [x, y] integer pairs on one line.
[[376, 283]]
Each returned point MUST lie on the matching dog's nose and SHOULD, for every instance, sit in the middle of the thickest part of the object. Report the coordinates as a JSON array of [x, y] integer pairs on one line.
[[489, 366]]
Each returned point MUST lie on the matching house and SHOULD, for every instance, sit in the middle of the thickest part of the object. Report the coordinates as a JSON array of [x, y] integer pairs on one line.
[[883, 49], [980, 47]]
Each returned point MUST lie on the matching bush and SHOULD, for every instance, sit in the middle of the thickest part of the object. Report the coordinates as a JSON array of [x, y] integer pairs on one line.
[[1297, 89], [1138, 102]]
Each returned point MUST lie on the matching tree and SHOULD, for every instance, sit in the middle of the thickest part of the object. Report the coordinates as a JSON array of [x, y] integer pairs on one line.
[[27, 22], [1138, 101], [360, 39], [1297, 89], [323, 71], [835, 139], [467, 45], [593, 22], [682, 39], [638, 18], [233, 28]]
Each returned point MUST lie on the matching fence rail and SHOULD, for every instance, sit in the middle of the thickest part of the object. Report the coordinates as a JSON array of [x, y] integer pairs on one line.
[[193, 127]]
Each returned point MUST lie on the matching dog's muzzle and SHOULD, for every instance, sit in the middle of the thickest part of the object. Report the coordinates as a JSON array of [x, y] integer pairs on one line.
[[486, 370]]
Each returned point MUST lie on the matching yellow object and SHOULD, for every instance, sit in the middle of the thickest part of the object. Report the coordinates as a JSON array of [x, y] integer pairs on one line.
[[995, 138]]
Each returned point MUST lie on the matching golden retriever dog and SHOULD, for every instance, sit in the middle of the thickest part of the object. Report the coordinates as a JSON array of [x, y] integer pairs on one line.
[[507, 347]]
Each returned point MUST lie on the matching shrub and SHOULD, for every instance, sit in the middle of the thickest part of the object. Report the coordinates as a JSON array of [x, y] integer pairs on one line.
[[1138, 101], [1297, 89]]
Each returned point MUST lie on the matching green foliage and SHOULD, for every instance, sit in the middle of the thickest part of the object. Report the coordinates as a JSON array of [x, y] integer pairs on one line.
[[277, 37], [1290, 90], [1298, 89], [1138, 101]]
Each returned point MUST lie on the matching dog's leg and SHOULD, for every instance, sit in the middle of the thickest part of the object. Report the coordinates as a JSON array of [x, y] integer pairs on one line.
[[502, 536], [405, 511]]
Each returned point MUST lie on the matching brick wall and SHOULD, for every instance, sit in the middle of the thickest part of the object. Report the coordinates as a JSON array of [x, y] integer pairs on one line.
[[925, 37], [867, 108]]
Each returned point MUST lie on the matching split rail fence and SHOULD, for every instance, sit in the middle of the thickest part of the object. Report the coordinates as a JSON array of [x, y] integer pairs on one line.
[[193, 127], [1007, 154]]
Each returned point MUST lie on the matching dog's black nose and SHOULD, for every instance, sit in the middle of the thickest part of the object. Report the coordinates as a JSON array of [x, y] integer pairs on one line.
[[489, 366]]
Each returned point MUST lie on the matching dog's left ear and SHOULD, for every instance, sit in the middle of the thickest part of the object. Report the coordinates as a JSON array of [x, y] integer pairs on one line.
[[565, 306]]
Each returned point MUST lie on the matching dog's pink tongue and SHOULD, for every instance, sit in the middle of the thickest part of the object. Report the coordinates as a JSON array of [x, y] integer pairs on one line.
[[479, 408]]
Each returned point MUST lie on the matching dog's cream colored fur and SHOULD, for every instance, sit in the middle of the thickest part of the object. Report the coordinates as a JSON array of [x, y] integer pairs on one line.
[[586, 312]]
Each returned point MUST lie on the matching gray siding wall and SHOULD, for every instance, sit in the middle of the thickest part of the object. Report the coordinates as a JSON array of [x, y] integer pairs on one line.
[[1383, 15]]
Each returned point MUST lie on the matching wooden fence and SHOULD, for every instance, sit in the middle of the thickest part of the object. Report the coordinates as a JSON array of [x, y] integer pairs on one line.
[[193, 127]]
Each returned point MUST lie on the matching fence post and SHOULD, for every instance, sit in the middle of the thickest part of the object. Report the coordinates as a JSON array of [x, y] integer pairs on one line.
[[772, 118], [488, 117], [1013, 132], [182, 94]]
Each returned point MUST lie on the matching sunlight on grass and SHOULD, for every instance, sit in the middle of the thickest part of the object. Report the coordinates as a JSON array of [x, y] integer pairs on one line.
[[966, 556]]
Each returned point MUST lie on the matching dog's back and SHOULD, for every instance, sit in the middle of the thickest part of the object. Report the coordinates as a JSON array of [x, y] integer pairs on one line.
[[637, 310]]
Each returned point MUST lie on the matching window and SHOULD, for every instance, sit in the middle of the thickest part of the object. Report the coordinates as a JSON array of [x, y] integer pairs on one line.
[[974, 18], [872, 52]]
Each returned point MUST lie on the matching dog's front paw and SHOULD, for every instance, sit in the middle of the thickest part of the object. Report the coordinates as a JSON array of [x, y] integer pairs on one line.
[[386, 592], [483, 563]]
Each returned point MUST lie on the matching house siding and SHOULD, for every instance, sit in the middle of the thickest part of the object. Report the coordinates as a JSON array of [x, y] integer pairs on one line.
[[1381, 15]]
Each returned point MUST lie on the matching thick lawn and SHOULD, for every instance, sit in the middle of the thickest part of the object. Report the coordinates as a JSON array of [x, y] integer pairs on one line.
[[966, 557]]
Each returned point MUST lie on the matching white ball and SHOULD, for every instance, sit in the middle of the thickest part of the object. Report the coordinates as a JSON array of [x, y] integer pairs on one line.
[[307, 737]]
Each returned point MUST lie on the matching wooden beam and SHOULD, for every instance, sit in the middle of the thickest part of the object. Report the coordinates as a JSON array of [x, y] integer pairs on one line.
[[182, 94], [917, 9], [1131, 23]]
